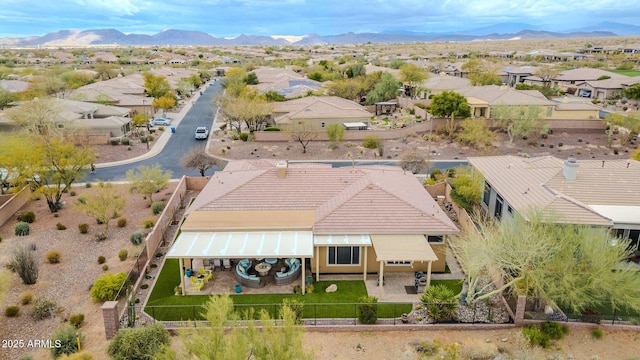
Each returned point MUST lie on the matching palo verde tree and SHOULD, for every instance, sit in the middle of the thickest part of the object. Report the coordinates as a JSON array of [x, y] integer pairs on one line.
[[245, 110], [103, 204], [412, 76], [156, 85], [148, 180], [197, 158], [386, 88], [633, 93], [226, 339], [449, 105], [165, 102], [569, 266], [520, 120], [335, 133]]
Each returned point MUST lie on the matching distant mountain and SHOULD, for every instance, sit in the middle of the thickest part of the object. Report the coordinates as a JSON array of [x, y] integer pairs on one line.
[[617, 28], [504, 31]]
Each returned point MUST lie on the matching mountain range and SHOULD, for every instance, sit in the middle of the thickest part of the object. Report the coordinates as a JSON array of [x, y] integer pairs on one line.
[[505, 31]]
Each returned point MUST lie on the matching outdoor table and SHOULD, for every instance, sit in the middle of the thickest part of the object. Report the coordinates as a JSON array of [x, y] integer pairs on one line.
[[263, 269]]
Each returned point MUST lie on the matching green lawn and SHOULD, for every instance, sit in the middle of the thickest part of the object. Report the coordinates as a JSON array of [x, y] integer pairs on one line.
[[164, 305], [626, 72]]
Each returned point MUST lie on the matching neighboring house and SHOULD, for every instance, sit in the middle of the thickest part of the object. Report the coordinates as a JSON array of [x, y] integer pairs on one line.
[[436, 84], [516, 75], [115, 97], [482, 98], [319, 111], [356, 220], [287, 83], [589, 192]]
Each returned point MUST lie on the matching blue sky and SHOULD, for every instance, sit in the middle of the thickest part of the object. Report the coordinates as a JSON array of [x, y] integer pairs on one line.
[[227, 18]]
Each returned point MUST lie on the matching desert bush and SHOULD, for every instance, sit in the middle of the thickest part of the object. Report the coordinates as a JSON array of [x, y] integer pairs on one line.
[[105, 267], [148, 223], [83, 228], [554, 330], [372, 142], [66, 338], [53, 256], [244, 136], [26, 298], [76, 320], [106, 287], [143, 139], [88, 185], [23, 262], [271, 128], [101, 259], [123, 254], [440, 301], [61, 226], [596, 333], [72, 193], [101, 236], [368, 310], [26, 216], [122, 222], [157, 207], [479, 350], [136, 238], [43, 308], [12, 311], [125, 141], [82, 355], [114, 141], [22, 229], [150, 138], [139, 343]]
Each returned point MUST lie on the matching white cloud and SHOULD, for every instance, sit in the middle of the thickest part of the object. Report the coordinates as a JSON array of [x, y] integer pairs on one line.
[[122, 7]]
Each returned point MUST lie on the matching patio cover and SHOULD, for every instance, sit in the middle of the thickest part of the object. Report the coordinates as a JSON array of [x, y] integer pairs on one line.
[[402, 248], [243, 244], [344, 240]]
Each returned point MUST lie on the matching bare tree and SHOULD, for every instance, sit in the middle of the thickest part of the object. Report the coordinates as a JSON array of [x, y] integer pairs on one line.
[[412, 161], [303, 132], [197, 158]]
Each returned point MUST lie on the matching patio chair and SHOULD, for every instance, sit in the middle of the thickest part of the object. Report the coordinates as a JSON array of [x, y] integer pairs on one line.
[[196, 284], [226, 264], [205, 274]]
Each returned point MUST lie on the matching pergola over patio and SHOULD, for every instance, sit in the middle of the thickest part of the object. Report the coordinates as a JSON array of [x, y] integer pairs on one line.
[[415, 248]]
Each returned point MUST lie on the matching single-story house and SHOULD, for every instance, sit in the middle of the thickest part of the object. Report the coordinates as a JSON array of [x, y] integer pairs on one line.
[[359, 220], [319, 111], [482, 98], [589, 192]]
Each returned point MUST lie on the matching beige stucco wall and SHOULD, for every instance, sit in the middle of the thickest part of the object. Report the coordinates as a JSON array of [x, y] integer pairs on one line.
[[574, 114]]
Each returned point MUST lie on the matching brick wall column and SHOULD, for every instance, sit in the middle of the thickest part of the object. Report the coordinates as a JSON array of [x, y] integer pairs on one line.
[[110, 318], [520, 308]]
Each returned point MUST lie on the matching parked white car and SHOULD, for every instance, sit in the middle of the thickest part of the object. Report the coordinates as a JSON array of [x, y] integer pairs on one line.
[[202, 133], [160, 122]]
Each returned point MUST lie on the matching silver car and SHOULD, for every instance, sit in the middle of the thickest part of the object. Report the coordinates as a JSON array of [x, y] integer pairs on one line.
[[160, 122]]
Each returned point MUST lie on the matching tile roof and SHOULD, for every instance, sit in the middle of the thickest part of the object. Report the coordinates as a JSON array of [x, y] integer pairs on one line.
[[363, 199], [586, 74], [318, 107], [495, 95], [540, 183]]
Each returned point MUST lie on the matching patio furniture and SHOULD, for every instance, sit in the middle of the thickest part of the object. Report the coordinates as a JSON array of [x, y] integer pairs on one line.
[[295, 269], [245, 278], [271, 261], [263, 269], [205, 274], [196, 284], [226, 264]]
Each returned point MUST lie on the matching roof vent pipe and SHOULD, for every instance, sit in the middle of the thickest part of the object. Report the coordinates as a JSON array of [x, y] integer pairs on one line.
[[570, 169]]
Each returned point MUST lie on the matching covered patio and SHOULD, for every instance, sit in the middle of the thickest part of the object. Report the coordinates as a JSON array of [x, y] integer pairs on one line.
[[229, 248]]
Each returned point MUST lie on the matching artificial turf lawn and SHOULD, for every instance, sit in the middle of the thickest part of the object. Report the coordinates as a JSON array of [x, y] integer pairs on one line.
[[165, 306]]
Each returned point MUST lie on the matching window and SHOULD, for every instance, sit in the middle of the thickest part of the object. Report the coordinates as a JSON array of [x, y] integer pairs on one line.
[[487, 193], [435, 238], [343, 255], [398, 263], [497, 211], [509, 209]]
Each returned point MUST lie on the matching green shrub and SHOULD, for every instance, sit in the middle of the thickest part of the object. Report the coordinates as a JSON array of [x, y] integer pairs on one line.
[[138, 343], [148, 224], [101, 259], [26, 216], [26, 298], [76, 320], [136, 238], [22, 229], [66, 339], [82, 200], [105, 267], [596, 333], [123, 254], [114, 141], [61, 226], [554, 330], [83, 228], [440, 301], [101, 236], [72, 193], [157, 207], [272, 128], [122, 222], [106, 287], [368, 310], [12, 311], [143, 139], [372, 142], [53, 256], [244, 136], [125, 141], [296, 306], [43, 308], [88, 185], [534, 336], [150, 138]]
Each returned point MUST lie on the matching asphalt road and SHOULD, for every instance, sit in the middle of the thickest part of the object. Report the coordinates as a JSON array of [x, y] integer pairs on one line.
[[201, 114]]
